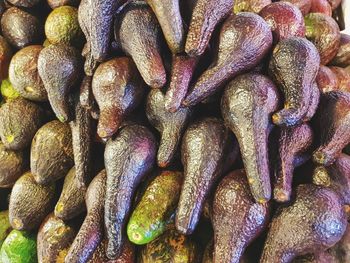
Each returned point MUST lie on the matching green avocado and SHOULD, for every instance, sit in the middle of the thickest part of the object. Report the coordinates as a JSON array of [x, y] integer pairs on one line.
[[8, 92]]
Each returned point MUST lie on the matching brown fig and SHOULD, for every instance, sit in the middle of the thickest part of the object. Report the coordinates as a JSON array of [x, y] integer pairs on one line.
[[342, 58], [170, 125], [324, 33], [245, 39], [246, 106], [118, 90], [5, 57], [292, 145], [139, 35], [326, 80], [296, 83], [250, 6], [303, 5], [237, 218]]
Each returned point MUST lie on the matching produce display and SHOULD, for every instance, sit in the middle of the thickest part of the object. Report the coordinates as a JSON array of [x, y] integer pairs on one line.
[[174, 131]]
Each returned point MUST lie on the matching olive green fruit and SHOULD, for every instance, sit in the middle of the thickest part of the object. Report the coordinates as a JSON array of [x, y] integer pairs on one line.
[[24, 76], [30, 202], [5, 226], [19, 247], [5, 57], [8, 92], [56, 3], [12, 165], [24, 3], [19, 121], [54, 239], [51, 155], [62, 26], [156, 208]]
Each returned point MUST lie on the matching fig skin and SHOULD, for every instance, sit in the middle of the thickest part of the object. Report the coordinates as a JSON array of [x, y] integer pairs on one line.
[[321, 6], [324, 33], [326, 80], [342, 59], [250, 6], [343, 78], [5, 57], [303, 5]]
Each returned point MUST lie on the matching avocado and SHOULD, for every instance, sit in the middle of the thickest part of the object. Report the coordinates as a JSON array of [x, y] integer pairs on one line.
[[62, 26], [57, 3], [326, 80], [5, 226], [19, 121], [8, 92], [54, 239], [51, 155], [12, 166], [5, 57], [342, 59], [21, 28], [19, 247], [250, 6], [23, 74], [156, 208], [24, 3], [30, 202], [127, 254]]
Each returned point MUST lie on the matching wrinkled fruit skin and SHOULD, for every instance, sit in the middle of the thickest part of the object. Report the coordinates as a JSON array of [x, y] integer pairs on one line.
[[342, 58], [250, 6], [303, 5], [326, 80], [127, 254], [5, 57], [343, 78], [24, 3]]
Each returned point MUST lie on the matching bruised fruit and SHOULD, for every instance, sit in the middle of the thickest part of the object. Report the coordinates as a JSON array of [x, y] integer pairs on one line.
[[24, 76], [21, 28], [247, 105], [5, 57], [59, 67], [205, 147], [205, 18], [118, 89], [156, 208], [342, 58], [326, 80], [170, 125], [62, 26], [296, 83], [5, 226], [57, 3], [245, 39], [90, 234], [30, 202], [293, 144], [343, 78], [333, 123], [250, 6], [138, 33], [19, 121], [314, 221], [12, 166], [285, 20], [129, 157], [324, 33], [127, 254], [51, 155], [303, 5], [24, 3], [54, 239], [237, 218], [19, 246]]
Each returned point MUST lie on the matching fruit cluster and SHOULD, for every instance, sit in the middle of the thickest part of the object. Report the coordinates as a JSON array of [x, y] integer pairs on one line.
[[174, 131]]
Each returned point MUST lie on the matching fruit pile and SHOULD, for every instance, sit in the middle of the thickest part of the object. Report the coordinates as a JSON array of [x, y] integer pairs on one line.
[[174, 131]]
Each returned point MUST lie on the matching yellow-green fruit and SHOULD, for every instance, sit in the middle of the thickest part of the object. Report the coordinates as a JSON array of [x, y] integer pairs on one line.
[[19, 247], [7, 90], [5, 226], [62, 26]]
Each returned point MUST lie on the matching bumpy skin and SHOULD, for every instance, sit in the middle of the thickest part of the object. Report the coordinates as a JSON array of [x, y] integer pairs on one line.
[[51, 155], [319, 257], [24, 3], [96, 22], [245, 39], [128, 159], [21, 28], [90, 234], [336, 177], [138, 33], [170, 20], [314, 102], [19, 121], [343, 78], [72, 199], [30, 202], [296, 83], [182, 71], [314, 222], [246, 106], [326, 80], [60, 69], [202, 168], [342, 248], [118, 90], [54, 239], [285, 20], [5, 57], [333, 123], [342, 58], [23, 74], [5, 227], [237, 218], [205, 17], [321, 6], [86, 96], [170, 125], [250, 6], [56, 3], [127, 255], [303, 5], [156, 208], [324, 33], [12, 166], [292, 145], [170, 247]]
